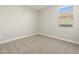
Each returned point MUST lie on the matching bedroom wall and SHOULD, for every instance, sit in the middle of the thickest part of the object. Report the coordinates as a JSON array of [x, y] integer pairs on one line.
[[48, 24], [17, 21]]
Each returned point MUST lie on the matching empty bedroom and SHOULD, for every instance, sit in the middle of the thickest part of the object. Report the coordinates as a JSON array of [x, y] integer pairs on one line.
[[39, 29]]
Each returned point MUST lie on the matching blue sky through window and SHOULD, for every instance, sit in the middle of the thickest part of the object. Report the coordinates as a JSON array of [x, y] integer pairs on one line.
[[66, 9]]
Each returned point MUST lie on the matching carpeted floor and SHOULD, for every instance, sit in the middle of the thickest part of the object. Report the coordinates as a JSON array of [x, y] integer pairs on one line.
[[38, 45]]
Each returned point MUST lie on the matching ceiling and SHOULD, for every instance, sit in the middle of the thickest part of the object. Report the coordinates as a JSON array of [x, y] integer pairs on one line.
[[39, 7]]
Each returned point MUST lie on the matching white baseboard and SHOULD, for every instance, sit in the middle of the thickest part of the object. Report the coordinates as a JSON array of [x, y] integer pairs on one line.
[[50, 36], [59, 38], [25, 36]]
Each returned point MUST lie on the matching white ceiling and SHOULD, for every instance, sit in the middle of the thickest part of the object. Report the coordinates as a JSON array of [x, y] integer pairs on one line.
[[39, 7]]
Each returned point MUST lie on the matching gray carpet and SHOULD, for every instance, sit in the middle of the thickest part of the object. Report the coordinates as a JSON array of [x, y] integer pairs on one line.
[[38, 45]]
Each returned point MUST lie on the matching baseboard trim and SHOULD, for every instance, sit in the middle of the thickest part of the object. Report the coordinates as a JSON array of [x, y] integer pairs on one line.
[[60, 38], [17, 38], [50, 36]]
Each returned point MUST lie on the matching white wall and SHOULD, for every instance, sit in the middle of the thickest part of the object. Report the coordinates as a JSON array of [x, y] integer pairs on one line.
[[48, 24], [16, 21]]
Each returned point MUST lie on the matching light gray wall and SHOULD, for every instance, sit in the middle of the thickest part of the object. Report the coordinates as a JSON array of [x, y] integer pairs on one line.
[[48, 24], [16, 21]]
